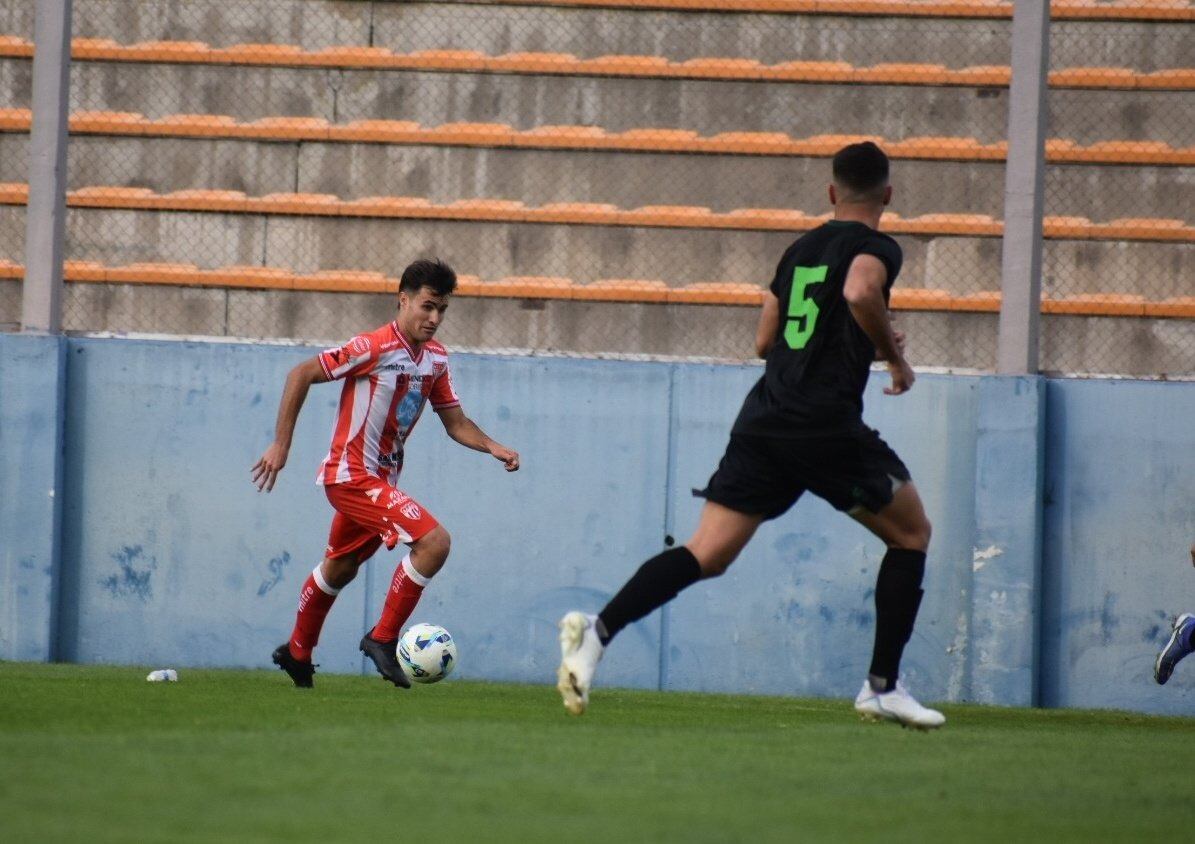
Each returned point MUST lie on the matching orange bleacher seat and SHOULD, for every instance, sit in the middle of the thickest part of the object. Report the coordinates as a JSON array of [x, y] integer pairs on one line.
[[623, 290], [1182, 307], [1096, 304], [345, 281], [84, 271]]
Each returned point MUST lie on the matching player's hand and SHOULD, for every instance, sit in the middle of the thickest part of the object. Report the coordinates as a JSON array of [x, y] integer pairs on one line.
[[265, 470], [902, 377], [509, 457]]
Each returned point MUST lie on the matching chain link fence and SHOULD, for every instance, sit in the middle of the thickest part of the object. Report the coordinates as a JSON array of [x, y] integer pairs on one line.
[[16, 21], [605, 180], [1118, 269]]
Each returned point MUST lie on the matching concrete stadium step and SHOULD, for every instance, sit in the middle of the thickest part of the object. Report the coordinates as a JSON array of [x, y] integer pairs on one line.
[[582, 213], [770, 38], [1174, 10], [617, 104], [952, 265], [627, 180], [677, 34], [721, 68], [629, 291], [586, 138]]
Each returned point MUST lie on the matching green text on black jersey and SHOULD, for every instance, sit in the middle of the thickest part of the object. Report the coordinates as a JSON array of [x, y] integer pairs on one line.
[[818, 363]]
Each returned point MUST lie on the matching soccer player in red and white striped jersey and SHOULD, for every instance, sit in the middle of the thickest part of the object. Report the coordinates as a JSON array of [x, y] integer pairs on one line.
[[390, 375]]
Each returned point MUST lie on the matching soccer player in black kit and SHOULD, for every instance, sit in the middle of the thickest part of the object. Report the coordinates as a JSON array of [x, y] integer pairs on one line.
[[824, 321]]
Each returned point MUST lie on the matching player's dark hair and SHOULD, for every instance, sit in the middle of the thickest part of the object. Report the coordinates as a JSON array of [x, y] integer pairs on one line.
[[861, 172], [428, 273]]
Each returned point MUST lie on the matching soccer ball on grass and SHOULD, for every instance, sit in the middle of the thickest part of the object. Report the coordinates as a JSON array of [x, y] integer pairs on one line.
[[427, 653]]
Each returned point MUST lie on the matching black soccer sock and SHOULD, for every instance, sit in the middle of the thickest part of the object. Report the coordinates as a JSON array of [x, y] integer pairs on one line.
[[657, 582], [898, 597]]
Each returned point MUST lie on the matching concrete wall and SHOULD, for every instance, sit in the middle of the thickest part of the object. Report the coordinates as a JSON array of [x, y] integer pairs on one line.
[[31, 491], [1118, 522], [167, 555]]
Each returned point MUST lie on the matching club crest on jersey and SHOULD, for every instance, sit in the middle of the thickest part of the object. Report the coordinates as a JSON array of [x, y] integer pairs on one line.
[[359, 345]]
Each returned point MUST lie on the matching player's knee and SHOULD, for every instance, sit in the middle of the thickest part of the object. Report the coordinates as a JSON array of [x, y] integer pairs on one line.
[[436, 544], [340, 571], [714, 564], [914, 536]]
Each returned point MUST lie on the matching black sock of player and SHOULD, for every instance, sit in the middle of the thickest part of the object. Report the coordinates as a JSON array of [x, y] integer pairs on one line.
[[898, 597], [657, 582]]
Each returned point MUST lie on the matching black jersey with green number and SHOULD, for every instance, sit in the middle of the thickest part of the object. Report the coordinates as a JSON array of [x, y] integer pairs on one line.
[[818, 364]]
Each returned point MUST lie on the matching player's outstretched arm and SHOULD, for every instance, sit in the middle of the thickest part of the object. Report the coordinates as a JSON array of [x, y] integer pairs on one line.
[[465, 431], [864, 293], [298, 381]]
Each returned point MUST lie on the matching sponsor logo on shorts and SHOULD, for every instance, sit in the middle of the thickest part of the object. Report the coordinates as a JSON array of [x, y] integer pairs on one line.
[[411, 511], [396, 498]]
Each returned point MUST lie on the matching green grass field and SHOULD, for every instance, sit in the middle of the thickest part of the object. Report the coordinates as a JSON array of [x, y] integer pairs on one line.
[[98, 754]]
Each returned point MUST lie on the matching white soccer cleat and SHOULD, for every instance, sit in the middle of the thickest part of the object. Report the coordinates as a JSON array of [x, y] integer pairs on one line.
[[580, 652], [897, 705]]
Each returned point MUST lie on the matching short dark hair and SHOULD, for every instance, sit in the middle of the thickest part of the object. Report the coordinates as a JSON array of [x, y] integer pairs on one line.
[[432, 273], [861, 172]]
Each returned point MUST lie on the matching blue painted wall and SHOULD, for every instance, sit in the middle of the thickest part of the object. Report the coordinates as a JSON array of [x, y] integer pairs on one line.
[[1119, 523], [168, 555], [31, 407]]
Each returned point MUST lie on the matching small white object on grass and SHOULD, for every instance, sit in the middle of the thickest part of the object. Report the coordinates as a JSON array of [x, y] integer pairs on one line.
[[163, 675]]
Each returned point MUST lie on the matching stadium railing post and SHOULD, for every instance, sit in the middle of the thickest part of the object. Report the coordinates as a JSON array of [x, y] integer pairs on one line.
[[1024, 179], [45, 221]]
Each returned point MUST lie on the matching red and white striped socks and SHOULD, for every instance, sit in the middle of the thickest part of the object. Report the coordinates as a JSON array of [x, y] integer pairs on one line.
[[405, 589], [315, 600]]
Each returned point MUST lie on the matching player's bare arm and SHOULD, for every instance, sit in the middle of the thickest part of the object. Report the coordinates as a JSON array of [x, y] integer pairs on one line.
[[769, 324], [466, 432], [900, 342], [298, 381], [864, 293]]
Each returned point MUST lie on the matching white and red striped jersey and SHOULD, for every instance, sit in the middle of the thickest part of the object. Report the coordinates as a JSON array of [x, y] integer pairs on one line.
[[386, 387]]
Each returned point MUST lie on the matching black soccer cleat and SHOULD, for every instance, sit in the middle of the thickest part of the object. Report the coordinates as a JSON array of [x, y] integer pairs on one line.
[[303, 673], [385, 660]]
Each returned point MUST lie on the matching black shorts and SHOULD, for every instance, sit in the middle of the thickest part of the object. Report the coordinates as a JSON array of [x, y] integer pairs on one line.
[[766, 475]]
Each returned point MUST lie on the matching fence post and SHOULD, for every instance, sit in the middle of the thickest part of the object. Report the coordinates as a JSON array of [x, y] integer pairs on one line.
[[1024, 177], [45, 216]]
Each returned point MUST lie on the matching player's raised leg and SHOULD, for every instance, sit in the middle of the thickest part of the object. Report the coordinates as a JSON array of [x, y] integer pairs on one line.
[[905, 529], [377, 513], [720, 536], [428, 555], [1180, 644]]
